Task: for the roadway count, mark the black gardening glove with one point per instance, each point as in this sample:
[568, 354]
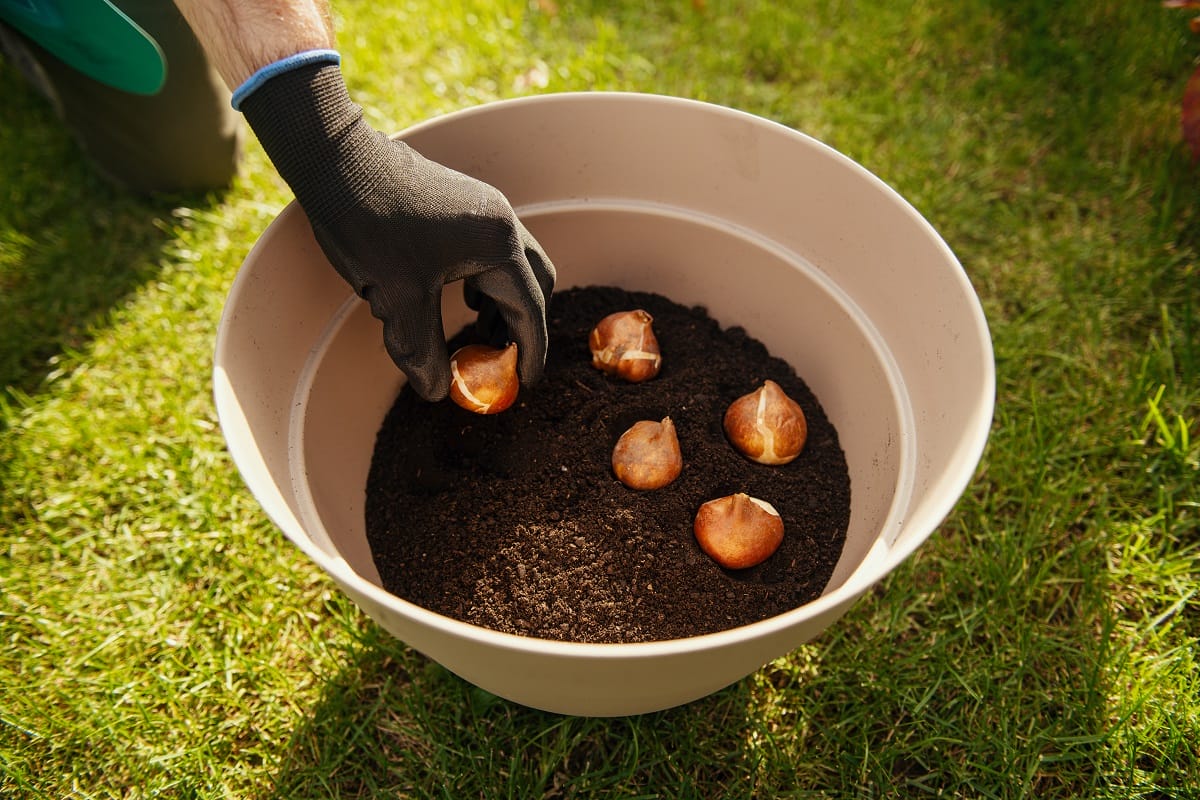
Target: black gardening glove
[398, 227]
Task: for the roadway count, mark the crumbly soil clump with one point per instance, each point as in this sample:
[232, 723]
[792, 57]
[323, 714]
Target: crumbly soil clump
[516, 522]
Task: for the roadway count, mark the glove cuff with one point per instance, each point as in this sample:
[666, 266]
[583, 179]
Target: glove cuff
[315, 136]
[264, 74]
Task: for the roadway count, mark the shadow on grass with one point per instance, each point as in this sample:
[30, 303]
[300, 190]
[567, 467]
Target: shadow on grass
[393, 723]
[72, 246]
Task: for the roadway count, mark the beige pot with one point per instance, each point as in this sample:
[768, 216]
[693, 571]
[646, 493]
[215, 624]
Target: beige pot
[764, 226]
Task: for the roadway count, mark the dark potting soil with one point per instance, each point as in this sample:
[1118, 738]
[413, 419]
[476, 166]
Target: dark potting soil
[515, 521]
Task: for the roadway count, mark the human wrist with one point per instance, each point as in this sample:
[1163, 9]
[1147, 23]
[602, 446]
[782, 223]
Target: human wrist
[241, 36]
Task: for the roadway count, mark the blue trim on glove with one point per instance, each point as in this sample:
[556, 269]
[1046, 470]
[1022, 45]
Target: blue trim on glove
[279, 67]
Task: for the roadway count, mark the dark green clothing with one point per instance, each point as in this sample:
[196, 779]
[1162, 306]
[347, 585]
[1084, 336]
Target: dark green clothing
[184, 137]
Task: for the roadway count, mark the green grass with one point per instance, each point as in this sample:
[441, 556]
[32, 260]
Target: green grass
[158, 637]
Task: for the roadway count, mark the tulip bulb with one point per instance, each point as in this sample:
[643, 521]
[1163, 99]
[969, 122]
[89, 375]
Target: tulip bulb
[647, 455]
[738, 531]
[484, 379]
[624, 344]
[766, 425]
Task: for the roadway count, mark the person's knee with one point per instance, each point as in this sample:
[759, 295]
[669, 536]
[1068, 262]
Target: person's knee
[185, 137]
[175, 164]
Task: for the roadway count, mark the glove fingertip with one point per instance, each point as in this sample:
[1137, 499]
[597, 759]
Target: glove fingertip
[429, 376]
[531, 365]
[429, 386]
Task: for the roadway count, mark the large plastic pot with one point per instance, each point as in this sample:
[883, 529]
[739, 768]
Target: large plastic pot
[766, 227]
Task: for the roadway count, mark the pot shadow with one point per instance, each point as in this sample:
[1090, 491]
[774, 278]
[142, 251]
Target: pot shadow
[393, 723]
[72, 244]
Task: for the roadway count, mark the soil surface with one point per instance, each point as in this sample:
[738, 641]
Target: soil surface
[515, 521]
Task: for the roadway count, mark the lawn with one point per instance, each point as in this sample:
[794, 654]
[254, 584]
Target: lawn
[159, 637]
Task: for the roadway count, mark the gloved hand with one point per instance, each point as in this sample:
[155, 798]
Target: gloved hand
[398, 226]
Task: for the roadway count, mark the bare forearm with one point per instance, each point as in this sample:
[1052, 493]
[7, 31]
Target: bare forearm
[241, 36]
